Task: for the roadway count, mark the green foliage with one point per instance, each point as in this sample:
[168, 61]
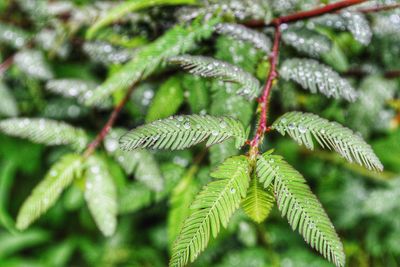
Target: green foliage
[8, 104]
[213, 206]
[167, 100]
[101, 195]
[176, 41]
[306, 41]
[181, 197]
[184, 131]
[303, 210]
[44, 131]
[209, 67]
[79, 73]
[46, 193]
[303, 126]
[316, 77]
[258, 202]
[239, 32]
[125, 8]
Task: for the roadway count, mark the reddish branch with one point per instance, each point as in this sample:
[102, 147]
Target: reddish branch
[306, 14]
[109, 124]
[6, 64]
[263, 105]
[264, 99]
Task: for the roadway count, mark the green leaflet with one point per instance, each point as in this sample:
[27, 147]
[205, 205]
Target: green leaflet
[167, 100]
[182, 195]
[13, 36]
[134, 197]
[213, 206]
[140, 162]
[303, 126]
[8, 104]
[317, 77]
[197, 90]
[210, 67]
[127, 7]
[46, 193]
[101, 194]
[302, 209]
[33, 64]
[258, 202]
[174, 42]
[45, 131]
[183, 131]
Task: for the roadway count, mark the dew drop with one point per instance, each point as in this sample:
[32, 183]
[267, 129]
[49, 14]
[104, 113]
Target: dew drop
[214, 132]
[302, 129]
[233, 190]
[291, 126]
[186, 125]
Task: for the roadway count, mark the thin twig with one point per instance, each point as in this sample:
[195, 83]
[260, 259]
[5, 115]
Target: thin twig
[264, 99]
[109, 124]
[6, 64]
[306, 14]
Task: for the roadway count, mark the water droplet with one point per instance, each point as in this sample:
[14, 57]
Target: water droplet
[291, 126]
[233, 190]
[302, 129]
[223, 124]
[214, 132]
[186, 125]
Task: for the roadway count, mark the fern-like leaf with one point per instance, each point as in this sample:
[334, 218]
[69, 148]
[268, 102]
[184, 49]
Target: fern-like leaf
[44, 131]
[46, 193]
[101, 195]
[182, 196]
[306, 41]
[353, 21]
[210, 67]
[302, 209]
[8, 104]
[140, 162]
[182, 132]
[258, 202]
[242, 33]
[303, 126]
[176, 41]
[316, 77]
[126, 7]
[213, 206]
[33, 64]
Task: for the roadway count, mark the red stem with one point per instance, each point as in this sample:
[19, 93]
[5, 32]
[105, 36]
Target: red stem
[6, 64]
[109, 124]
[263, 105]
[306, 14]
[264, 99]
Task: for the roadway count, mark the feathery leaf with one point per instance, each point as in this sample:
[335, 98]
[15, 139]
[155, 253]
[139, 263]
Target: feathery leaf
[306, 41]
[258, 202]
[101, 195]
[210, 67]
[46, 193]
[33, 64]
[317, 77]
[303, 126]
[181, 132]
[182, 196]
[302, 209]
[8, 104]
[174, 42]
[242, 33]
[45, 131]
[213, 206]
[140, 162]
[126, 7]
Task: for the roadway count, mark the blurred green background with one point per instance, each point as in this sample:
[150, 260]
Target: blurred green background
[364, 206]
